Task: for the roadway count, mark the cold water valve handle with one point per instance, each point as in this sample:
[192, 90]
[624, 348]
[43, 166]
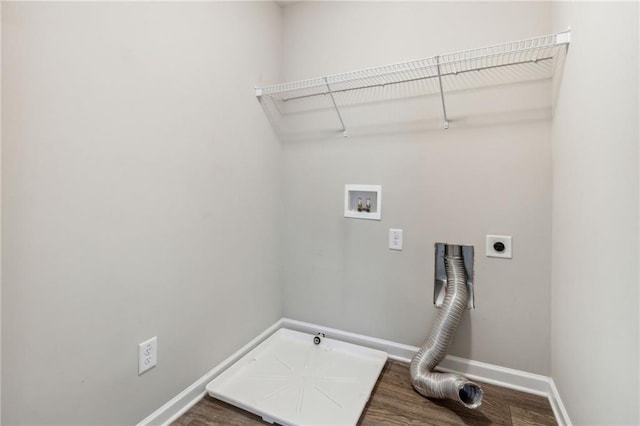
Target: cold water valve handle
[318, 338]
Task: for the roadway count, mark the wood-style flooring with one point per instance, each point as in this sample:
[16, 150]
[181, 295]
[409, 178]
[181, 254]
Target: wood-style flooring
[394, 402]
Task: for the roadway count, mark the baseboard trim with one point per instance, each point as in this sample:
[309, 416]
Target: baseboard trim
[396, 351]
[186, 399]
[505, 377]
[562, 417]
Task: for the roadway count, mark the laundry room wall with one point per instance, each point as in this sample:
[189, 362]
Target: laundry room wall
[139, 191]
[489, 173]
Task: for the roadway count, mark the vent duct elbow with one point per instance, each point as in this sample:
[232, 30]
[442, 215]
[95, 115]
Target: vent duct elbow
[423, 378]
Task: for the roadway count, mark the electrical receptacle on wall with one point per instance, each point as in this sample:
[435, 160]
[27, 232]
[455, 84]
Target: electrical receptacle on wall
[147, 355]
[499, 246]
[395, 239]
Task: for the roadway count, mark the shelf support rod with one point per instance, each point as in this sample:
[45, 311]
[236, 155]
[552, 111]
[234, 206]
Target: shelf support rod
[335, 105]
[444, 108]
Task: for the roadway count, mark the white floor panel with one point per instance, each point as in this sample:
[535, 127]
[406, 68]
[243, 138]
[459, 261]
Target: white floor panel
[289, 380]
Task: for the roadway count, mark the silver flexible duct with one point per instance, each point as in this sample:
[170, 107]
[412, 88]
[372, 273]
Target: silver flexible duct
[446, 385]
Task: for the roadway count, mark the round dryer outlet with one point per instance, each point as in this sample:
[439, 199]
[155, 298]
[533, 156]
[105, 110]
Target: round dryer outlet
[499, 246]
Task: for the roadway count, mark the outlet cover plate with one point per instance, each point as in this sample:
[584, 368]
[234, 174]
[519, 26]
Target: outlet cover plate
[395, 239]
[507, 253]
[147, 355]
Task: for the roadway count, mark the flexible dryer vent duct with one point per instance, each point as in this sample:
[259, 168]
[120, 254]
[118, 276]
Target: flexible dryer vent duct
[423, 378]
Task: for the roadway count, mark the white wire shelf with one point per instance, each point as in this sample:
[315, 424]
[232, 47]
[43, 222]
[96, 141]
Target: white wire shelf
[533, 58]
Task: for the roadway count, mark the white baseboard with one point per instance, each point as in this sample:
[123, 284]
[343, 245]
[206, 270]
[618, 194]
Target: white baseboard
[505, 377]
[396, 351]
[186, 399]
[562, 417]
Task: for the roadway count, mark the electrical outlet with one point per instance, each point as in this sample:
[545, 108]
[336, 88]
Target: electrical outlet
[499, 246]
[147, 355]
[395, 239]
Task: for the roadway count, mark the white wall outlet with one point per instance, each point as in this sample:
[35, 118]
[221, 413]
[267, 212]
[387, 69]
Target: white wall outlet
[395, 239]
[499, 246]
[147, 355]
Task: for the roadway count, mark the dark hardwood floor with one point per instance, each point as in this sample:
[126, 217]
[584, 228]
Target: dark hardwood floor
[394, 402]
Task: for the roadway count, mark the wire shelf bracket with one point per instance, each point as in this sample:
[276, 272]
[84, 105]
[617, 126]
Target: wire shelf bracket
[335, 105]
[537, 56]
[445, 125]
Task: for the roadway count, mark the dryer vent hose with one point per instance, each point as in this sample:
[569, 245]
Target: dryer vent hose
[423, 378]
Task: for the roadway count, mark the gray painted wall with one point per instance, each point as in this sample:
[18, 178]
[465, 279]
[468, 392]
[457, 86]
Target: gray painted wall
[0, 220]
[594, 322]
[490, 173]
[143, 191]
[139, 192]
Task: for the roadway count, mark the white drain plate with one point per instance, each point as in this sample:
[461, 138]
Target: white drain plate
[289, 380]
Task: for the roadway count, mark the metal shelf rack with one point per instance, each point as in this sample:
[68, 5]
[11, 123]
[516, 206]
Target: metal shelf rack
[533, 58]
